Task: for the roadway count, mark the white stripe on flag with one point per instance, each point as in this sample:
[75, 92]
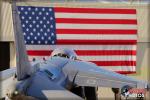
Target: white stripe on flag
[82, 47]
[120, 68]
[95, 16]
[96, 37]
[108, 58]
[37, 57]
[94, 26]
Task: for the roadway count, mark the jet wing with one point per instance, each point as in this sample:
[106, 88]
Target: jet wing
[7, 82]
[60, 95]
[88, 74]
[7, 74]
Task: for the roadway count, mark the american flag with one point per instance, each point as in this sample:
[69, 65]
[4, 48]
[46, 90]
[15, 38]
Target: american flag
[104, 36]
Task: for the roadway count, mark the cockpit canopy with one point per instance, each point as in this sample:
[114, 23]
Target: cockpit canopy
[66, 53]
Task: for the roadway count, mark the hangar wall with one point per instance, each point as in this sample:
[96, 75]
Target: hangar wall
[142, 16]
[143, 46]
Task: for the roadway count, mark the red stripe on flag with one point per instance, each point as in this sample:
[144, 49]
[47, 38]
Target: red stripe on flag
[39, 52]
[95, 21]
[105, 52]
[84, 52]
[126, 72]
[115, 63]
[94, 31]
[95, 10]
[101, 42]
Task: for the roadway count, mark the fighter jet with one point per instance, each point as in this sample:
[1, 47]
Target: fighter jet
[58, 76]
[55, 78]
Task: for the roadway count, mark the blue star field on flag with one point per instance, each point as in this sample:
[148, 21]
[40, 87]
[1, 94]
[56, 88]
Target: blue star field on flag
[38, 25]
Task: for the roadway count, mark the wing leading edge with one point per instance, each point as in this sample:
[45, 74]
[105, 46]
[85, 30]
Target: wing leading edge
[88, 74]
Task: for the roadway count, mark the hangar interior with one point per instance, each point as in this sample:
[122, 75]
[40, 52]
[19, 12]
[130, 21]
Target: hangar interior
[7, 46]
